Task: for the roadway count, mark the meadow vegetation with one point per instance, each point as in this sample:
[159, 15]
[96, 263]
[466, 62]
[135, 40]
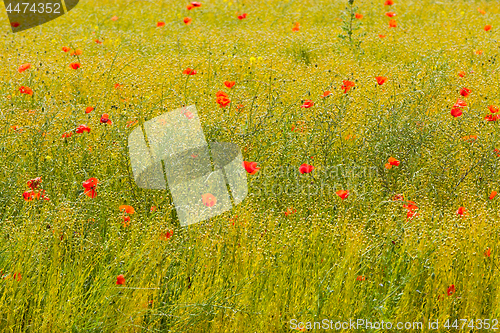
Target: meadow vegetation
[414, 238]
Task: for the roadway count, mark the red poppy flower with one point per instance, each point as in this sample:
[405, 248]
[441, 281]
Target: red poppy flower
[479, 52]
[307, 104]
[74, 65]
[342, 194]
[242, 16]
[306, 168]
[381, 36]
[105, 119]
[358, 16]
[393, 161]
[487, 27]
[83, 128]
[67, 134]
[229, 84]
[89, 109]
[221, 94]
[196, 4]
[251, 167]
[411, 210]
[492, 117]
[460, 104]
[487, 253]
[187, 20]
[76, 53]
[393, 24]
[290, 211]
[118, 86]
[166, 235]
[360, 278]
[381, 80]
[296, 26]
[127, 209]
[209, 199]
[461, 74]
[470, 138]
[189, 7]
[465, 92]
[26, 90]
[456, 112]
[493, 194]
[497, 151]
[326, 94]
[15, 24]
[410, 205]
[189, 71]
[390, 14]
[493, 108]
[120, 279]
[160, 24]
[461, 211]
[451, 290]
[188, 115]
[90, 187]
[24, 67]
[222, 99]
[481, 11]
[65, 49]
[34, 183]
[389, 3]
[410, 214]
[98, 41]
[28, 195]
[346, 86]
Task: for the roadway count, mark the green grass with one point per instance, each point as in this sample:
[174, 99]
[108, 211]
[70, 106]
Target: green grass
[253, 269]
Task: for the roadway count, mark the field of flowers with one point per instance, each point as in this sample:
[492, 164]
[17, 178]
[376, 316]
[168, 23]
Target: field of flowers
[372, 146]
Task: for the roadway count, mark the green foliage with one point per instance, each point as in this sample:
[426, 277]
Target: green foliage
[293, 249]
[350, 24]
[301, 51]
